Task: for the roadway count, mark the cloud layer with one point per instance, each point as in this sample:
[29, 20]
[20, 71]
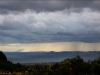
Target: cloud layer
[49, 21]
[47, 5]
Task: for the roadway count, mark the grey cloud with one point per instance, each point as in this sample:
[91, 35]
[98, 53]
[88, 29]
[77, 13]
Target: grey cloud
[29, 27]
[53, 5]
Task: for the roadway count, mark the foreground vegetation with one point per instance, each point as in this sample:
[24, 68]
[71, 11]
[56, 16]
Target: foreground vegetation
[69, 66]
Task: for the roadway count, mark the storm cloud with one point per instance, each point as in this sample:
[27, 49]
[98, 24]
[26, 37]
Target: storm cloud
[50, 27]
[16, 6]
[30, 21]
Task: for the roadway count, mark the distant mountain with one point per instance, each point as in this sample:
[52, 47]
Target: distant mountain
[20, 50]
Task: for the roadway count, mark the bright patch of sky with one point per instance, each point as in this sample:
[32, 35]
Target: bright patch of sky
[56, 46]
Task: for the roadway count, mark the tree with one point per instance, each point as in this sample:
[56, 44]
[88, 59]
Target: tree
[2, 56]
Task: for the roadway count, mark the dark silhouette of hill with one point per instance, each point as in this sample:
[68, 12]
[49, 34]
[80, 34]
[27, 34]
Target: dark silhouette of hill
[2, 56]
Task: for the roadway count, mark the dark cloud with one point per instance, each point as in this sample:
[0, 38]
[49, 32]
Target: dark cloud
[49, 21]
[45, 5]
[22, 37]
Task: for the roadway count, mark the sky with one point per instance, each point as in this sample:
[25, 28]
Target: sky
[49, 25]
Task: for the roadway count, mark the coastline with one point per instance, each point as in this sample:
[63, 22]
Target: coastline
[40, 63]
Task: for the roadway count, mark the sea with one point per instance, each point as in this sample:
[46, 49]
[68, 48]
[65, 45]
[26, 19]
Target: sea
[36, 57]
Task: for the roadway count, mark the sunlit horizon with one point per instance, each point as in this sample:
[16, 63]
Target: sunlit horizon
[48, 47]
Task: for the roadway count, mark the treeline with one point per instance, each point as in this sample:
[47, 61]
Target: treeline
[72, 66]
[69, 66]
